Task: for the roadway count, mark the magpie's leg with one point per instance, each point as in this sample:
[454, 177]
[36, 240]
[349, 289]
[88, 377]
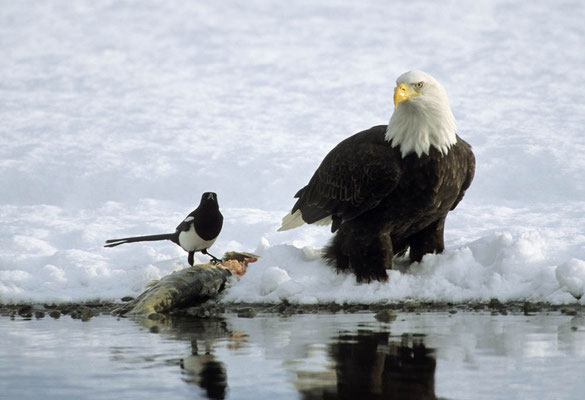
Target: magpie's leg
[191, 258]
[214, 259]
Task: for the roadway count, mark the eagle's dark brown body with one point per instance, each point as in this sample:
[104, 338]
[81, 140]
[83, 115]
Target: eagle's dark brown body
[381, 203]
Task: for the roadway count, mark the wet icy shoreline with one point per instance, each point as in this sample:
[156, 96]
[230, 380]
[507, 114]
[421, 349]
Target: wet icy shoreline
[87, 310]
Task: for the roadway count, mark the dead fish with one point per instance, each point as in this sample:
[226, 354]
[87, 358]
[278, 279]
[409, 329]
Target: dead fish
[188, 287]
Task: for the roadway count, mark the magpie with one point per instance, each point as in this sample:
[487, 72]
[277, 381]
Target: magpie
[197, 232]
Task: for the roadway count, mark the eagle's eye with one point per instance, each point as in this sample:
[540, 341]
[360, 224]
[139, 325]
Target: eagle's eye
[419, 85]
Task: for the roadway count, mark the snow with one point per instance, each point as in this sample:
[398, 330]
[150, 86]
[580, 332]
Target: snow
[116, 116]
[571, 275]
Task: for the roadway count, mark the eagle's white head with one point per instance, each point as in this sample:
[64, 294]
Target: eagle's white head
[422, 117]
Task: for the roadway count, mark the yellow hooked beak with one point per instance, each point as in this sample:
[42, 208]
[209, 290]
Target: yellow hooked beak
[403, 92]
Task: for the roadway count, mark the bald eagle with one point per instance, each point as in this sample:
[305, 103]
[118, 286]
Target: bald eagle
[388, 189]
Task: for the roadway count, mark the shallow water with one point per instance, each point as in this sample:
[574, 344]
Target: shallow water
[306, 356]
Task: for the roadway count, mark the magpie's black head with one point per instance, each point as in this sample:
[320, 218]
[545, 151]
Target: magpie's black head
[209, 196]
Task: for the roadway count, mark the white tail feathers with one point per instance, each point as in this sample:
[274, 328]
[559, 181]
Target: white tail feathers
[291, 221]
[294, 220]
[324, 221]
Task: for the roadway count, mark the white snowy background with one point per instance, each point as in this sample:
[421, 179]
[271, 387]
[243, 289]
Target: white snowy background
[116, 115]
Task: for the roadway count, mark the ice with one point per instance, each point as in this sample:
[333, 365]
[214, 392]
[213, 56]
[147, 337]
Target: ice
[115, 118]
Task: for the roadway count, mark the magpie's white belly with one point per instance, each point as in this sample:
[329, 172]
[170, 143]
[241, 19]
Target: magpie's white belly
[191, 241]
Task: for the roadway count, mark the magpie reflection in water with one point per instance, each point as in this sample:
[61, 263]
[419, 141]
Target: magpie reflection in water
[206, 371]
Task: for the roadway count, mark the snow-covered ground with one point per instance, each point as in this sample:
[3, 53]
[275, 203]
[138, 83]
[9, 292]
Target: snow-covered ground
[116, 116]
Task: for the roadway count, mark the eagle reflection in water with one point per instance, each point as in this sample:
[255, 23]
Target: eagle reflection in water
[372, 365]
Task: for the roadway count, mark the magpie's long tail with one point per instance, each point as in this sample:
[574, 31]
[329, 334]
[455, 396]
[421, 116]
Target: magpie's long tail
[148, 238]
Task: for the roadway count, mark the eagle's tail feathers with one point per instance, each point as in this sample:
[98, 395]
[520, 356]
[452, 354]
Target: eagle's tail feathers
[295, 219]
[291, 221]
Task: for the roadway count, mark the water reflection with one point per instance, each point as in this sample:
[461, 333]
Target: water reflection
[310, 356]
[373, 365]
[570, 342]
[202, 367]
[206, 371]
[365, 363]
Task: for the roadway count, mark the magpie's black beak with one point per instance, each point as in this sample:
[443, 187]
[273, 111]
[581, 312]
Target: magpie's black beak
[209, 196]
